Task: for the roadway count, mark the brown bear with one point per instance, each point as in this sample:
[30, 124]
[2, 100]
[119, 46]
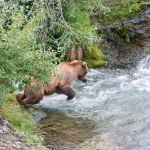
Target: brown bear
[67, 72]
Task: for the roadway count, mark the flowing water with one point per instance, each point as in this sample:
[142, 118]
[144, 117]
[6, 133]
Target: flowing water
[112, 102]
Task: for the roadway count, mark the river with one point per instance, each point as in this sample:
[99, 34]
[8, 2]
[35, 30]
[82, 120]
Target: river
[114, 103]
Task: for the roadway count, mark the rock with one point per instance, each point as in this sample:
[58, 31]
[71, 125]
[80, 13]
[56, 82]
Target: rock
[126, 54]
[52, 147]
[38, 115]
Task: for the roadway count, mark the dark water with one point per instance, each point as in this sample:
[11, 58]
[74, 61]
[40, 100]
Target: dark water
[112, 102]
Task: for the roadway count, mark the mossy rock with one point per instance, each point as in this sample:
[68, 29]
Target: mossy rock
[96, 63]
[95, 58]
[96, 54]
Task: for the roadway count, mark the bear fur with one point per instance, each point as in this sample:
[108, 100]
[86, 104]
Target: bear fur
[61, 83]
[33, 93]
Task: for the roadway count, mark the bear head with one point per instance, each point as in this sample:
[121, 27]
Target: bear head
[81, 69]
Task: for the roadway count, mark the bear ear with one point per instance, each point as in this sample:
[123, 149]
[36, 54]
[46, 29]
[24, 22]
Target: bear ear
[74, 62]
[84, 63]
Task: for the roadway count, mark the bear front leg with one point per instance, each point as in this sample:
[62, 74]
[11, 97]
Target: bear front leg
[67, 90]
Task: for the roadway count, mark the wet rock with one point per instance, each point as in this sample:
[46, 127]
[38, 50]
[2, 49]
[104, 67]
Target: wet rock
[126, 54]
[52, 147]
[38, 115]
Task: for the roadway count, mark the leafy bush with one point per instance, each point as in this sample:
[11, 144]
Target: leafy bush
[20, 55]
[68, 26]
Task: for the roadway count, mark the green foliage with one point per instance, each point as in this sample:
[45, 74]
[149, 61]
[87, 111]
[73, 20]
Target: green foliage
[20, 55]
[77, 15]
[120, 11]
[95, 58]
[22, 121]
[67, 25]
[96, 53]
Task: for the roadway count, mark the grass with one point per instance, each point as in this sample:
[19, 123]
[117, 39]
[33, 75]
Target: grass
[22, 121]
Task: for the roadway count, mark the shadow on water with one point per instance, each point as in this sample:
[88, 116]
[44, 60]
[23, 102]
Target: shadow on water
[65, 132]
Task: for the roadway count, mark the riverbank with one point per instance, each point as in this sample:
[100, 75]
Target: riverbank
[10, 139]
[18, 127]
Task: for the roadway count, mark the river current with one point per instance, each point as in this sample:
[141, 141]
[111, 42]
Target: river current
[113, 102]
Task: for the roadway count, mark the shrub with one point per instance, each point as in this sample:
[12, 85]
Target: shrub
[20, 55]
